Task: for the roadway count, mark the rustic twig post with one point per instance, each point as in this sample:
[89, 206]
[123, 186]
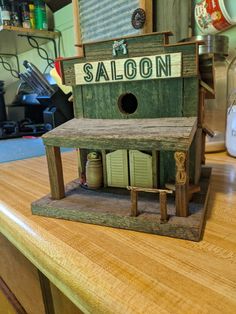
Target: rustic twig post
[163, 206]
[134, 203]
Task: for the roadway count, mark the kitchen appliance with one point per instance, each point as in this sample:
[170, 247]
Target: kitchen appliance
[214, 54]
[39, 105]
[213, 51]
[45, 94]
[3, 114]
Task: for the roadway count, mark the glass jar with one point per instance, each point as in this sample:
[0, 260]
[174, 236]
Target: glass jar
[231, 111]
[5, 18]
[231, 88]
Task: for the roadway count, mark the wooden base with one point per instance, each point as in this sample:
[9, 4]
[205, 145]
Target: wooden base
[111, 207]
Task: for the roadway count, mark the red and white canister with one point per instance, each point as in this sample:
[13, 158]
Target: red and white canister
[213, 16]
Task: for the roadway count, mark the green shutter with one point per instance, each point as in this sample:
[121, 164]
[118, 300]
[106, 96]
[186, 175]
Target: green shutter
[117, 168]
[141, 174]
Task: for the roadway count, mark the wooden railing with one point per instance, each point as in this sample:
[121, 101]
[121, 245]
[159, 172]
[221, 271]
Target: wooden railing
[162, 199]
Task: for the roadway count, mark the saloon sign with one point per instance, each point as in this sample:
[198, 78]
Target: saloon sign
[130, 69]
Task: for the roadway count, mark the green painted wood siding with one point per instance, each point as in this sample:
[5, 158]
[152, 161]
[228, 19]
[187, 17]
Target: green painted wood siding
[173, 97]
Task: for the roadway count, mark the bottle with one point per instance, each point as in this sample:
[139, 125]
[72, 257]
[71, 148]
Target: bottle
[5, 18]
[25, 14]
[40, 15]
[32, 14]
[14, 13]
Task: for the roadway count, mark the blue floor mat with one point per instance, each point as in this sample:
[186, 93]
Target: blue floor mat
[22, 148]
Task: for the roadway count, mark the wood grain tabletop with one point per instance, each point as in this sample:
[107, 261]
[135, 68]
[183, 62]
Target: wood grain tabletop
[106, 270]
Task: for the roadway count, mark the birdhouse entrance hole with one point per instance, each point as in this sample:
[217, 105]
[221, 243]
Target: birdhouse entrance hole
[127, 103]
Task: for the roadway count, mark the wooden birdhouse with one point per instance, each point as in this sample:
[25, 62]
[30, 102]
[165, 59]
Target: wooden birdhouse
[138, 104]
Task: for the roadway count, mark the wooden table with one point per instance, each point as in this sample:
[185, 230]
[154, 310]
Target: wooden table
[106, 270]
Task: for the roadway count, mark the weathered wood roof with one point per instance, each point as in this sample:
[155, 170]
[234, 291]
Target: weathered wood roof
[143, 134]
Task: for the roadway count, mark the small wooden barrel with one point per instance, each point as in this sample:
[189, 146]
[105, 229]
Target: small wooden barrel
[94, 173]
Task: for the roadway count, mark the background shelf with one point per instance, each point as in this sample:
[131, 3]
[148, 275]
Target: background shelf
[13, 43]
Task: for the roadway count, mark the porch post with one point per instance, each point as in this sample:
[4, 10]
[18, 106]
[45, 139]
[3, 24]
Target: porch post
[181, 183]
[55, 172]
